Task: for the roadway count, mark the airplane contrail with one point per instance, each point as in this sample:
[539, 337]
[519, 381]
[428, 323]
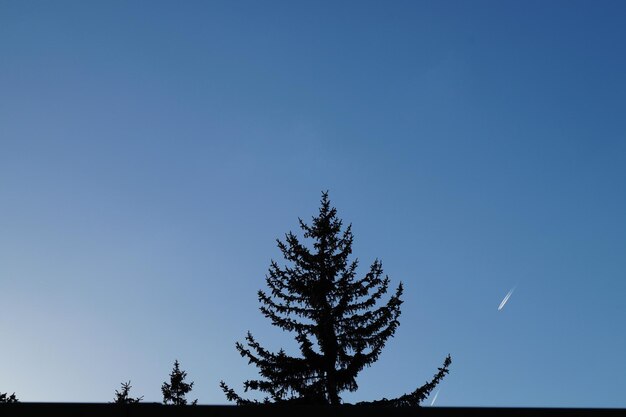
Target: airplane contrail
[435, 398]
[506, 298]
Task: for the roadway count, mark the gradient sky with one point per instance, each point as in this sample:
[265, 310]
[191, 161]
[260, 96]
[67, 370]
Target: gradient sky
[151, 152]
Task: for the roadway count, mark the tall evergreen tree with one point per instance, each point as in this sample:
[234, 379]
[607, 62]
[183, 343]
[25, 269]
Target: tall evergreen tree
[336, 317]
[123, 396]
[174, 392]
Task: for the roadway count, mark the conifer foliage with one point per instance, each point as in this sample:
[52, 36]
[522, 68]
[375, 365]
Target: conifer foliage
[5, 398]
[123, 396]
[174, 392]
[337, 318]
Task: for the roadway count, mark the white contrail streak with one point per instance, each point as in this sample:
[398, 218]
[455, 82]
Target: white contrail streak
[435, 398]
[506, 298]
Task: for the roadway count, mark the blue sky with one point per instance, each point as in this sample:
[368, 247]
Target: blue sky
[152, 152]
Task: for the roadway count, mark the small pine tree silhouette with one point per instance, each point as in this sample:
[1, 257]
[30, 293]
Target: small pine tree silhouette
[334, 315]
[174, 392]
[5, 398]
[123, 397]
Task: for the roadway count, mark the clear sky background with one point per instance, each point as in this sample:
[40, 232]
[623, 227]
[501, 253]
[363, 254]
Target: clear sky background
[151, 152]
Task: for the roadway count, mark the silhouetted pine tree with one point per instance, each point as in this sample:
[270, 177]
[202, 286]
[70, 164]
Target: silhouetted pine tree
[123, 397]
[334, 317]
[174, 392]
[5, 398]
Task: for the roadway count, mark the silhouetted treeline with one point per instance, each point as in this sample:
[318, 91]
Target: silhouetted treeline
[174, 392]
[338, 318]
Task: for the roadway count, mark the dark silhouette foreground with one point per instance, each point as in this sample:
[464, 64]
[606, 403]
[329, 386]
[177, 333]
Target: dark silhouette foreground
[336, 318]
[123, 396]
[5, 398]
[174, 392]
[273, 410]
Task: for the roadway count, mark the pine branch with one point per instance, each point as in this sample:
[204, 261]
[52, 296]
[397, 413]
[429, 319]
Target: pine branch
[415, 398]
